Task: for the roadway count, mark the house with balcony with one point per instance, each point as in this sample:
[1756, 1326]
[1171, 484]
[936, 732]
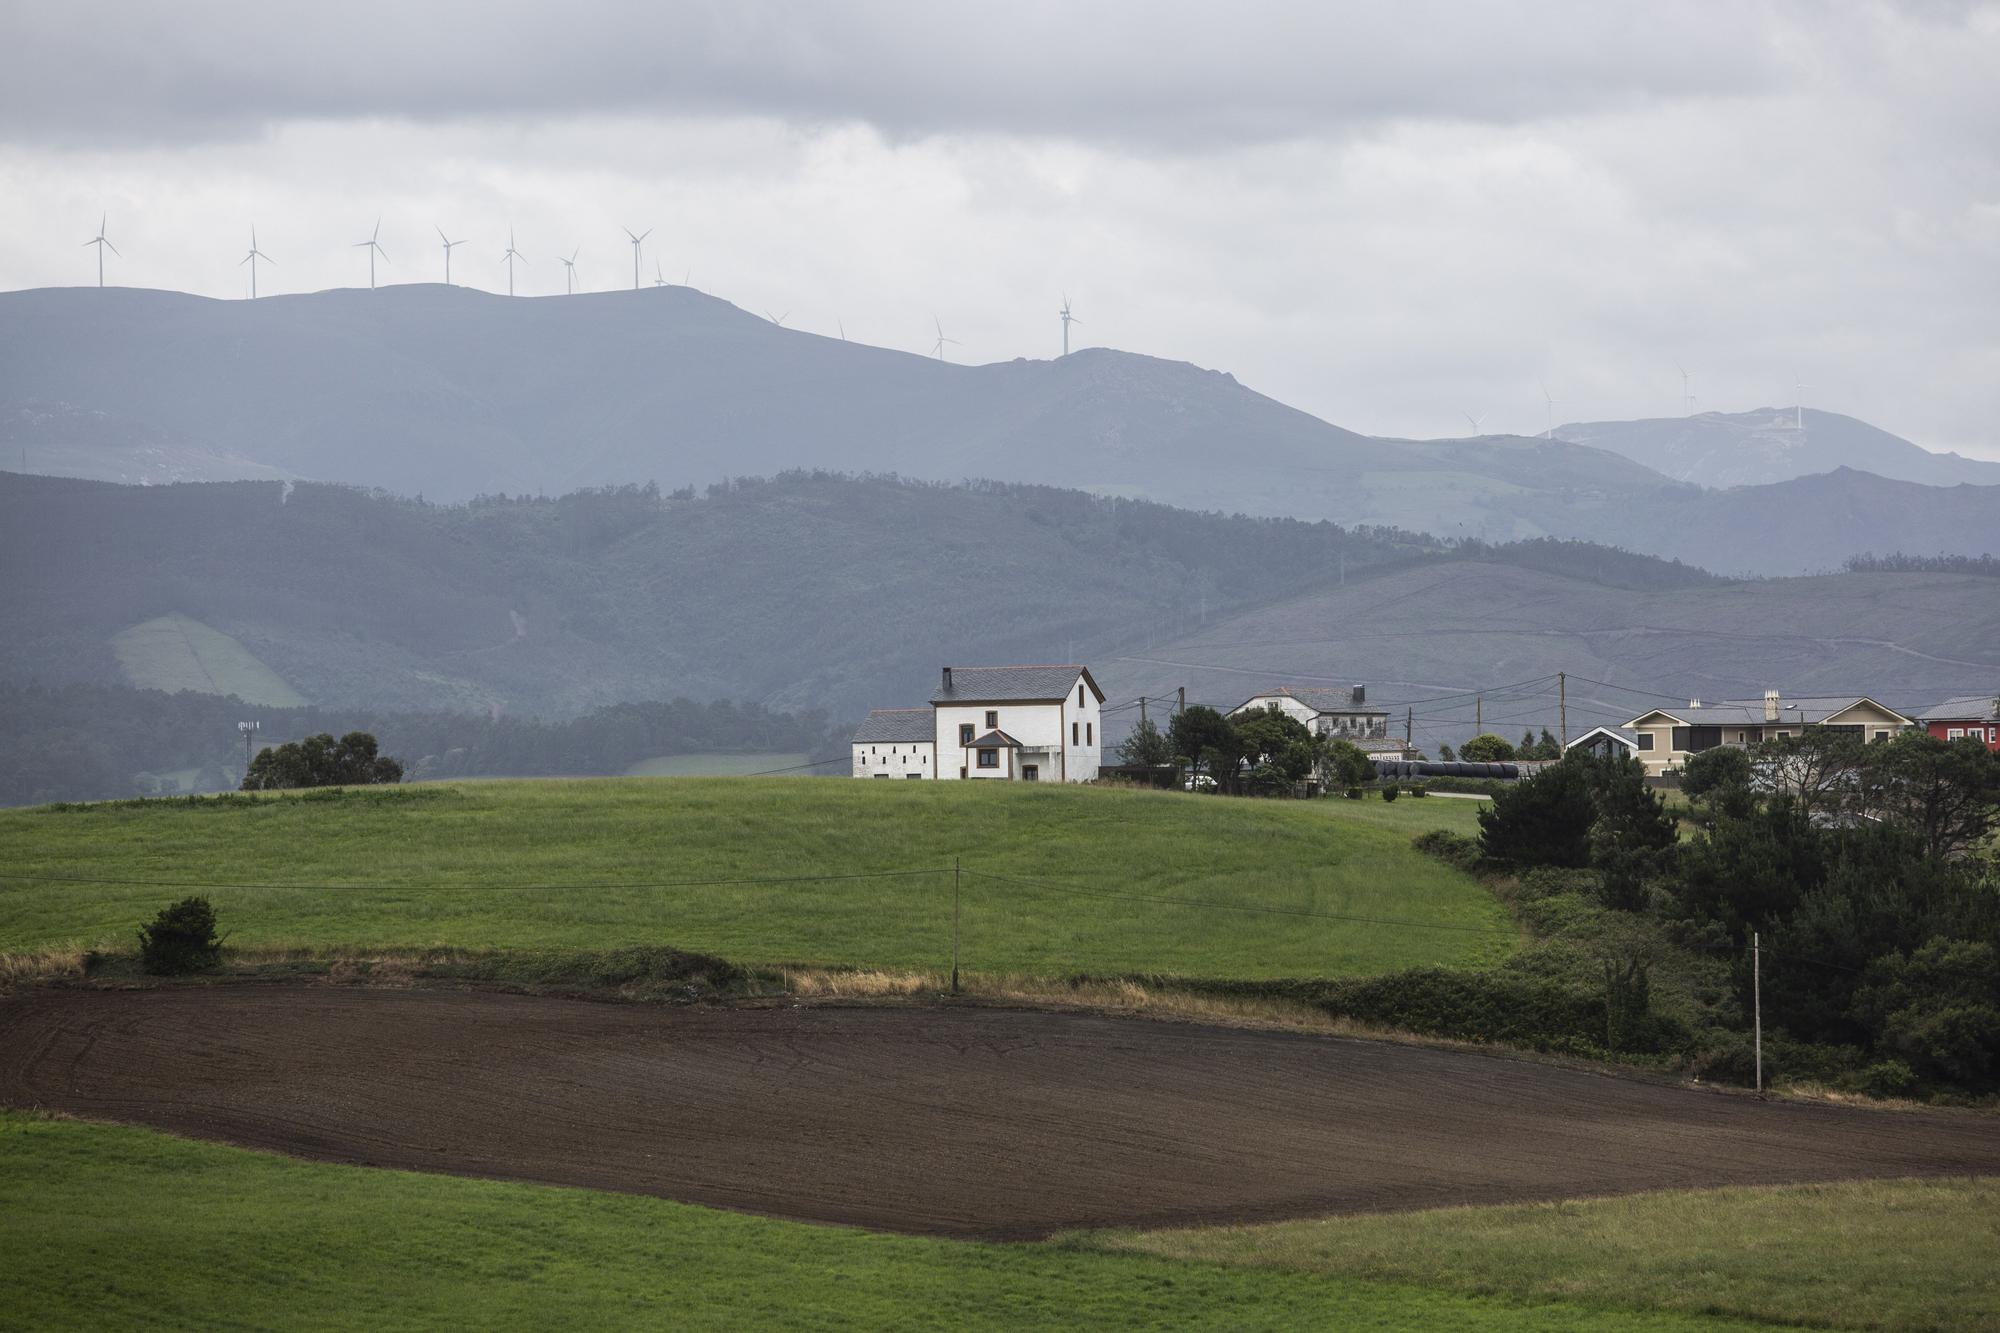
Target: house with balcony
[1666, 737]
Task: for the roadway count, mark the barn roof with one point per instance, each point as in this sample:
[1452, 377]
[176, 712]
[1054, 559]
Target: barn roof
[895, 726]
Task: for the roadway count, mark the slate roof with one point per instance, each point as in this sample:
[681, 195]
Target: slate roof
[1968, 708]
[896, 726]
[1018, 684]
[995, 740]
[1804, 712]
[1321, 699]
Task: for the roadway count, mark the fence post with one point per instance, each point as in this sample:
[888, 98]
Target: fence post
[954, 924]
[1757, 1004]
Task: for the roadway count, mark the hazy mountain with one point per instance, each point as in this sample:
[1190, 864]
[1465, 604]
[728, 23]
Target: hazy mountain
[837, 593]
[450, 393]
[1774, 444]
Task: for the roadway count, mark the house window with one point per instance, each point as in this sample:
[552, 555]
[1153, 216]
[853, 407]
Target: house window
[1031, 773]
[989, 759]
[992, 717]
[1645, 740]
[1953, 733]
[1090, 733]
[965, 733]
[1073, 733]
[1079, 694]
[913, 777]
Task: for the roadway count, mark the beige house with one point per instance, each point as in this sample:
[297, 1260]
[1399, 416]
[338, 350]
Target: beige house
[1665, 737]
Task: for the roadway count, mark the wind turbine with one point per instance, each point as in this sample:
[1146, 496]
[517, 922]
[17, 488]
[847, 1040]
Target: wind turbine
[637, 241]
[100, 241]
[569, 271]
[1687, 398]
[1552, 409]
[659, 278]
[1799, 405]
[1475, 420]
[843, 329]
[1067, 320]
[779, 320]
[373, 247]
[510, 256]
[448, 244]
[938, 346]
[251, 259]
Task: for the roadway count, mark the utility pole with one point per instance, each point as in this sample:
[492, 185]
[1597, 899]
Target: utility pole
[1757, 1004]
[1562, 706]
[954, 925]
[1142, 714]
[1408, 715]
[1478, 711]
[1180, 701]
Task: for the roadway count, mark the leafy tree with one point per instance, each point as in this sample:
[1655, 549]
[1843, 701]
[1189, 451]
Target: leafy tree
[1445, 753]
[1947, 793]
[1548, 747]
[1146, 746]
[1264, 734]
[1206, 739]
[1486, 748]
[1527, 748]
[1348, 765]
[1719, 780]
[1938, 1009]
[1817, 768]
[1632, 836]
[321, 761]
[1544, 820]
[180, 939]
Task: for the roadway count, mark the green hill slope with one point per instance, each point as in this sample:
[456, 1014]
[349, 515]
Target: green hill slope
[1061, 880]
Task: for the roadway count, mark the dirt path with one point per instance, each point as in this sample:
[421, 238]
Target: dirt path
[954, 1120]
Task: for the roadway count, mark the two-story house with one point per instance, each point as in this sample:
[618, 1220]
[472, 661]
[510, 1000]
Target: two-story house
[1006, 723]
[1976, 718]
[1341, 713]
[1666, 737]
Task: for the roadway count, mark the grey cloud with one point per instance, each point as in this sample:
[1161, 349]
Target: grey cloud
[1186, 74]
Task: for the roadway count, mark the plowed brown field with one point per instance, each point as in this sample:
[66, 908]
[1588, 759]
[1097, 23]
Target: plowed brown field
[953, 1120]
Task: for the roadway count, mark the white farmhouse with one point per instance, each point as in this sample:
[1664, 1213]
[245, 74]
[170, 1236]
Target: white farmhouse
[1018, 723]
[1342, 714]
[895, 743]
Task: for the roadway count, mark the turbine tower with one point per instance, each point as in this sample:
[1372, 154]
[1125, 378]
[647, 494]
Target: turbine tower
[1475, 420]
[637, 241]
[448, 244]
[938, 346]
[251, 259]
[1799, 406]
[659, 278]
[100, 241]
[1687, 397]
[1551, 402]
[779, 320]
[510, 256]
[373, 247]
[1067, 320]
[569, 271]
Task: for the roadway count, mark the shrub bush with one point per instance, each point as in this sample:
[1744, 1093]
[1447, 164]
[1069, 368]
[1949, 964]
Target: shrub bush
[1889, 1078]
[181, 939]
[1354, 793]
[1390, 792]
[1419, 789]
[1454, 849]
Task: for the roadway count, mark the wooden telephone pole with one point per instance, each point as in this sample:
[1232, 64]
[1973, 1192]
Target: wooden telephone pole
[1562, 706]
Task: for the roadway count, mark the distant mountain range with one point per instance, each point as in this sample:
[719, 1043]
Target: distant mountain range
[839, 593]
[450, 393]
[1774, 444]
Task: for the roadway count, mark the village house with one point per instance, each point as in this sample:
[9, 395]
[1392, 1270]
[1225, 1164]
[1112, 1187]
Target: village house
[1605, 742]
[895, 743]
[1006, 723]
[1340, 714]
[1976, 717]
[1666, 737]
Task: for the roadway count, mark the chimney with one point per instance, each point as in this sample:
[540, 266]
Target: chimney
[1770, 705]
[1360, 695]
[947, 680]
[1694, 703]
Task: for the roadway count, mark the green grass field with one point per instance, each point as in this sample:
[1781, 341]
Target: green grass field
[714, 765]
[1092, 876]
[1887, 1254]
[175, 652]
[108, 1226]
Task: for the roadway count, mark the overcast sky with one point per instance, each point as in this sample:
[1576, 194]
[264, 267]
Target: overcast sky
[1391, 217]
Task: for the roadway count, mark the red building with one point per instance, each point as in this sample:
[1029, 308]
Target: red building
[1977, 717]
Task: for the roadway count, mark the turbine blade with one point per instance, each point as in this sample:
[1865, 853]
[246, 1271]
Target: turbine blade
[114, 250]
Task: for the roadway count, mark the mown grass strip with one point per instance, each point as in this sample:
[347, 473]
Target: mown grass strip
[109, 1226]
[1881, 1254]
